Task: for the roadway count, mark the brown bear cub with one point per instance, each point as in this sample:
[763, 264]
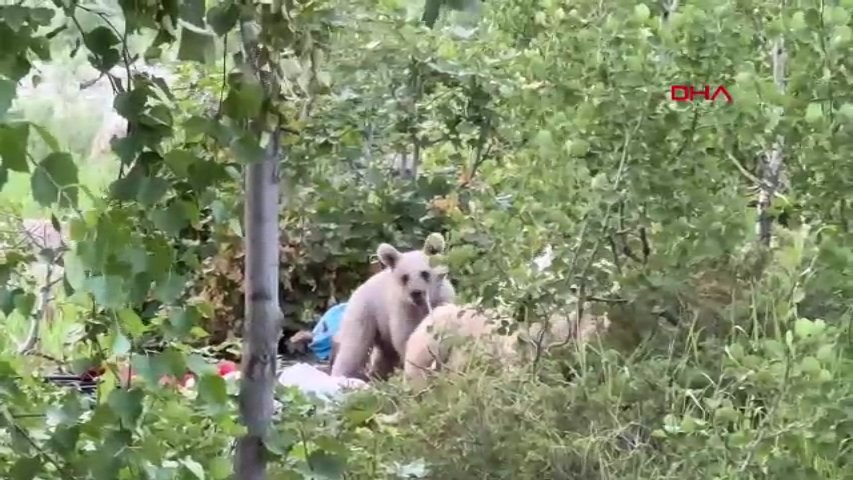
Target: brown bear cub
[383, 311]
[451, 336]
[433, 346]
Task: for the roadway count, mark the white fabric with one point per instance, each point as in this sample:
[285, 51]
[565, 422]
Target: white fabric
[309, 379]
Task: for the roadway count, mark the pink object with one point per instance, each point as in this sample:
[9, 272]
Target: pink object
[226, 366]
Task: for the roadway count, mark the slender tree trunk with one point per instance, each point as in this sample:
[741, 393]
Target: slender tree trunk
[772, 163]
[263, 317]
[262, 326]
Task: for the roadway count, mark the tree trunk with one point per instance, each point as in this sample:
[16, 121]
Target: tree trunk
[263, 315]
[772, 163]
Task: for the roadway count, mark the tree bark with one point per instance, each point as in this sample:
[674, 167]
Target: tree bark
[262, 326]
[772, 163]
[263, 316]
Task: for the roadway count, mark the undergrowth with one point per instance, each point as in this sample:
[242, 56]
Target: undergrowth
[770, 398]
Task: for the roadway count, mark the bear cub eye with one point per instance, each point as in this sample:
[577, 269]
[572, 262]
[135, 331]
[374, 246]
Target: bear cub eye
[405, 278]
[425, 275]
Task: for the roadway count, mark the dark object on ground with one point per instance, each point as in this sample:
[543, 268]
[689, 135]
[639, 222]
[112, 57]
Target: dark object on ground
[85, 385]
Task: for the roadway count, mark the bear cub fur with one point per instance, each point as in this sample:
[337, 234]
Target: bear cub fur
[434, 345]
[385, 309]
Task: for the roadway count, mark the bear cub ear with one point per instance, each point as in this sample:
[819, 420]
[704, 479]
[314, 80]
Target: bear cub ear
[434, 244]
[388, 255]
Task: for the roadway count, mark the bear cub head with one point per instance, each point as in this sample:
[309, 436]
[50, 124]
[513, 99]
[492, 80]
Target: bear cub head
[412, 271]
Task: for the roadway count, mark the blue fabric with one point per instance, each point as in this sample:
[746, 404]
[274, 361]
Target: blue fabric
[321, 344]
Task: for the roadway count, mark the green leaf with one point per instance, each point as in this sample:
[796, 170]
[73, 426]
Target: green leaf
[8, 90]
[127, 188]
[212, 390]
[199, 366]
[222, 17]
[842, 35]
[577, 147]
[545, 141]
[65, 438]
[172, 219]
[24, 303]
[196, 47]
[131, 104]
[170, 288]
[247, 150]
[327, 465]
[194, 467]
[431, 10]
[4, 177]
[107, 290]
[219, 468]
[121, 344]
[798, 21]
[810, 365]
[835, 15]
[150, 368]
[102, 43]
[46, 136]
[179, 161]
[826, 353]
[814, 112]
[131, 322]
[137, 257]
[813, 18]
[641, 11]
[26, 468]
[41, 16]
[67, 413]
[127, 404]
[182, 320]
[13, 146]
[846, 111]
[55, 175]
[805, 328]
[151, 190]
[244, 100]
